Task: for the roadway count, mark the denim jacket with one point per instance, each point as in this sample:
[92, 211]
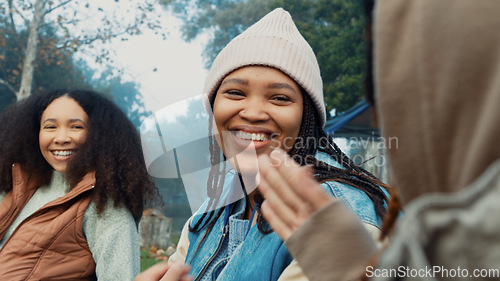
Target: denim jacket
[261, 257]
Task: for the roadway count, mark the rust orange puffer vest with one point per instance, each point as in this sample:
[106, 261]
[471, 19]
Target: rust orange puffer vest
[48, 245]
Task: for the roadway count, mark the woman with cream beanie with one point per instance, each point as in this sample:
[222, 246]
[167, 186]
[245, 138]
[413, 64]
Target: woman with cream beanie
[265, 92]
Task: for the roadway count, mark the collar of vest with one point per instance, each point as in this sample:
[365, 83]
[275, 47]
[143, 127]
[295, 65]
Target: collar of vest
[23, 184]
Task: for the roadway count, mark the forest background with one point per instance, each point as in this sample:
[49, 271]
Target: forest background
[47, 44]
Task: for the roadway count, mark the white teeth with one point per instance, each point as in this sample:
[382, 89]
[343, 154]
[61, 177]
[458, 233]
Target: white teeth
[251, 136]
[62, 152]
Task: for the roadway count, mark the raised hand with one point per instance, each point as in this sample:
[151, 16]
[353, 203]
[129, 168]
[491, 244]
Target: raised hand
[165, 272]
[291, 193]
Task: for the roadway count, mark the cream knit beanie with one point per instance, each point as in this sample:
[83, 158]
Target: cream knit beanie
[273, 41]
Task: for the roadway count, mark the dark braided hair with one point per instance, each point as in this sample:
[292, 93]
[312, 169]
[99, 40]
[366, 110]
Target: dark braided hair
[353, 174]
[303, 153]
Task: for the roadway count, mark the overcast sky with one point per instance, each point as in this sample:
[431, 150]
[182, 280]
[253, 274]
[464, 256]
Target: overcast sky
[168, 70]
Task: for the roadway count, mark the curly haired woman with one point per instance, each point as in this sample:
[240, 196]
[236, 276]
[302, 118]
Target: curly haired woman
[73, 185]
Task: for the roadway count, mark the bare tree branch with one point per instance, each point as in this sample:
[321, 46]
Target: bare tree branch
[11, 16]
[57, 7]
[8, 85]
[90, 40]
[11, 10]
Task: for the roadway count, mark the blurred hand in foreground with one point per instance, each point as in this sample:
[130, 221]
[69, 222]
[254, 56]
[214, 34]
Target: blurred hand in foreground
[291, 193]
[164, 272]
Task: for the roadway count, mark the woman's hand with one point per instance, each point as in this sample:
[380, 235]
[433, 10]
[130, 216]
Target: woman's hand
[164, 272]
[291, 193]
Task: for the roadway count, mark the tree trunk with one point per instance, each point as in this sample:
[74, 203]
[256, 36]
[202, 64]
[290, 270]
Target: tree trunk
[30, 55]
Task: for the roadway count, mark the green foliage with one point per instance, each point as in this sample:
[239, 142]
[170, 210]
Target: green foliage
[176, 204]
[125, 94]
[56, 68]
[147, 260]
[65, 27]
[222, 19]
[333, 28]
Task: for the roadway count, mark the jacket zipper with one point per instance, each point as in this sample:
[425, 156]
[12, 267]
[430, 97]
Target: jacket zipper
[229, 209]
[226, 229]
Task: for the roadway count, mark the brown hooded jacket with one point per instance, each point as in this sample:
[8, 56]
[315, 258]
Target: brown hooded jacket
[437, 82]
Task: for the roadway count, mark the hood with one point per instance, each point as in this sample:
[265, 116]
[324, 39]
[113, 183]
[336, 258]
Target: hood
[437, 85]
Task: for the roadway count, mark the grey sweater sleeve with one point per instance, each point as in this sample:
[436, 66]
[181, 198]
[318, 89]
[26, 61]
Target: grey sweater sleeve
[332, 244]
[114, 242]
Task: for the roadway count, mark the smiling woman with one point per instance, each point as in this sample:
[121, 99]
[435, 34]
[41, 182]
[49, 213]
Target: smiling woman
[63, 129]
[72, 182]
[259, 106]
